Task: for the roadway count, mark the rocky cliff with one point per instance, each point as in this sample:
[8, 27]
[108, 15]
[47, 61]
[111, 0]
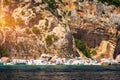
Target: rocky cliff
[29, 28]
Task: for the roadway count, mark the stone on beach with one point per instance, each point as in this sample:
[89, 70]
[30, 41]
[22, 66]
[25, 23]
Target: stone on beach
[5, 59]
[118, 58]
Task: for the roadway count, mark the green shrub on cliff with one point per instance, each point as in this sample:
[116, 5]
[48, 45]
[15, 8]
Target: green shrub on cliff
[52, 7]
[81, 0]
[35, 30]
[111, 2]
[93, 52]
[82, 47]
[27, 30]
[50, 39]
[3, 52]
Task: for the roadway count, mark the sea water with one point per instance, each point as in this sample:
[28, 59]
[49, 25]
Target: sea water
[59, 72]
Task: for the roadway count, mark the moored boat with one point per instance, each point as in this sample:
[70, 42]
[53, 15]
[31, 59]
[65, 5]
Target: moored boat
[1, 63]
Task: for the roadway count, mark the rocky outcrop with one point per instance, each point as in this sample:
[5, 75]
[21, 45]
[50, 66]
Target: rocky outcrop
[96, 27]
[105, 50]
[118, 58]
[117, 47]
[36, 31]
[5, 59]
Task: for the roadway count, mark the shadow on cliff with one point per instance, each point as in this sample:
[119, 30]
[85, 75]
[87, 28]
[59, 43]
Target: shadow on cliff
[91, 38]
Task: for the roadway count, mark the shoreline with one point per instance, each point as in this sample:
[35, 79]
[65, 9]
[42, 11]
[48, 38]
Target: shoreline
[55, 60]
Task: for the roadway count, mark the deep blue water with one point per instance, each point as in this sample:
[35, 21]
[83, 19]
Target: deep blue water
[60, 72]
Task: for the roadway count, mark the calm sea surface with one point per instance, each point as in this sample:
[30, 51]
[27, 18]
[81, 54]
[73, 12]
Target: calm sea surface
[59, 72]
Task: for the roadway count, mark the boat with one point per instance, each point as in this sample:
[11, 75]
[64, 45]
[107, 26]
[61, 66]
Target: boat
[69, 62]
[1, 63]
[10, 63]
[29, 62]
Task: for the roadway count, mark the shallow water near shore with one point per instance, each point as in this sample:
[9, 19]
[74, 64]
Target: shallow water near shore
[60, 72]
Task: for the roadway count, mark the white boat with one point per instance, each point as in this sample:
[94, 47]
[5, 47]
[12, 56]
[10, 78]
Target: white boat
[106, 61]
[0, 61]
[59, 61]
[114, 62]
[29, 62]
[69, 62]
[76, 62]
[88, 61]
[96, 64]
[50, 63]
[81, 62]
[10, 63]
[39, 62]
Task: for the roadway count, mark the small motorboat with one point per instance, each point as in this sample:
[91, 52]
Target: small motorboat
[1, 63]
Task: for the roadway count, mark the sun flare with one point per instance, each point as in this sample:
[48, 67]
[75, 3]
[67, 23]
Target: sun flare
[2, 22]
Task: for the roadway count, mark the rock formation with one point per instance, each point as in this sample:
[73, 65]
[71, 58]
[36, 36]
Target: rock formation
[29, 28]
[117, 47]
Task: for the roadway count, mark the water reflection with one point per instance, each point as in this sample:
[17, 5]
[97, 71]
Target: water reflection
[59, 73]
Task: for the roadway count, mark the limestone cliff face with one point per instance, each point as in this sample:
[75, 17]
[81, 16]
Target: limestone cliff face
[95, 24]
[35, 30]
[29, 28]
[117, 48]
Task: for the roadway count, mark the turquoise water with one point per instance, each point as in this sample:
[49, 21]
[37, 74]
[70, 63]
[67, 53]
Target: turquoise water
[59, 72]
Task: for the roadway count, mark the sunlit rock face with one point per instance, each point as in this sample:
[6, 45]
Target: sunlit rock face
[35, 31]
[105, 50]
[29, 28]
